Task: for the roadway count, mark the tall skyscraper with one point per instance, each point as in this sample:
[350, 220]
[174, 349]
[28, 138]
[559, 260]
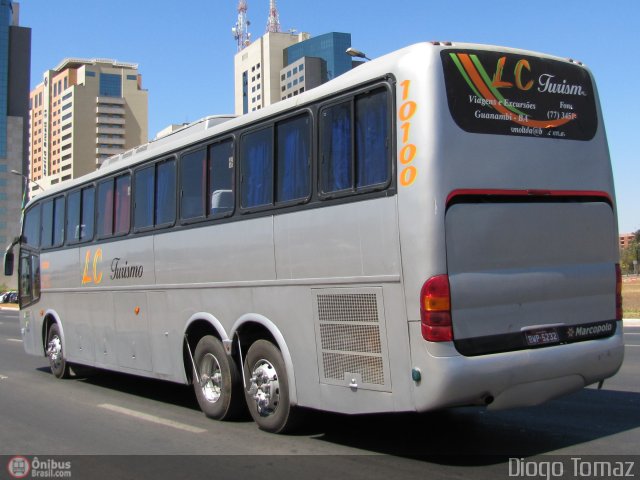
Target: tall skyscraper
[257, 70]
[15, 59]
[83, 112]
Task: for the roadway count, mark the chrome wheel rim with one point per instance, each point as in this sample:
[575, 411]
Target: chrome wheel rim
[210, 378]
[54, 352]
[265, 388]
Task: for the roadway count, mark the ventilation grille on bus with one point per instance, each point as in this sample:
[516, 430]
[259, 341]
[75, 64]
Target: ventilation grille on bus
[350, 328]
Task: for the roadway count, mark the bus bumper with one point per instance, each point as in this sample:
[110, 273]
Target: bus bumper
[512, 379]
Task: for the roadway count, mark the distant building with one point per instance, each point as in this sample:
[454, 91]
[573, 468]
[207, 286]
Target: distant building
[83, 112]
[257, 70]
[282, 65]
[301, 75]
[626, 239]
[15, 60]
[313, 62]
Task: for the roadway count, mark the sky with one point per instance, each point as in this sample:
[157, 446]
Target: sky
[185, 49]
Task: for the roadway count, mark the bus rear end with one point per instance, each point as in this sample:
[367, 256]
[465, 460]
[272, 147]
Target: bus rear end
[523, 302]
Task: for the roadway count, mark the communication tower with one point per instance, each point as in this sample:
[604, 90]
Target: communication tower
[241, 28]
[273, 22]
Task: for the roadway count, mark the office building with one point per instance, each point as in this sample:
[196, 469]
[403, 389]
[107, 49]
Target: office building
[15, 59]
[257, 70]
[626, 239]
[313, 62]
[83, 112]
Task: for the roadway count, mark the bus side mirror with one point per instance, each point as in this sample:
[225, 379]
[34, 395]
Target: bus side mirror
[8, 263]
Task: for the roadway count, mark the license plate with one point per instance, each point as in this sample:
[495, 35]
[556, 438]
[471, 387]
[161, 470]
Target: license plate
[542, 336]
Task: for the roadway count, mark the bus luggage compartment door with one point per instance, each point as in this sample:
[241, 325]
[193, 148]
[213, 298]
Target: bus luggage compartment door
[528, 267]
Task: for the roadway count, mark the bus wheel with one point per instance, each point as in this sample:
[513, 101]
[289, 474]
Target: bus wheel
[57, 362]
[219, 384]
[268, 388]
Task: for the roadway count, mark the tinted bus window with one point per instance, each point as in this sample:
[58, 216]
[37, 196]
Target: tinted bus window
[155, 195]
[105, 208]
[221, 178]
[58, 221]
[73, 217]
[166, 193]
[337, 165]
[293, 159]
[47, 224]
[122, 208]
[114, 206]
[31, 230]
[256, 152]
[53, 222]
[144, 198]
[372, 140]
[88, 207]
[355, 143]
[539, 97]
[193, 177]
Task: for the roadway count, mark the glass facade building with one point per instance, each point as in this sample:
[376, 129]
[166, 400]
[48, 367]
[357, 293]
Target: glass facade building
[330, 47]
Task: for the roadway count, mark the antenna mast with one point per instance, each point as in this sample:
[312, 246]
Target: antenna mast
[273, 23]
[241, 28]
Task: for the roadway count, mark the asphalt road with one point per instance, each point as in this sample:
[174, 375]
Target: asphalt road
[114, 414]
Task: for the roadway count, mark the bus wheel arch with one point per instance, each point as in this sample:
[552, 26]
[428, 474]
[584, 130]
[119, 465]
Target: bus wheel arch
[196, 327]
[213, 372]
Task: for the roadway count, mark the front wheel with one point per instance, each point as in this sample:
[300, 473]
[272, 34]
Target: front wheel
[267, 393]
[57, 362]
[217, 385]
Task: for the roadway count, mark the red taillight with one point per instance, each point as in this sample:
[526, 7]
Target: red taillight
[618, 292]
[435, 310]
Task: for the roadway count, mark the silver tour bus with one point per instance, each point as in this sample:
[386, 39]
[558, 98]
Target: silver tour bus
[434, 228]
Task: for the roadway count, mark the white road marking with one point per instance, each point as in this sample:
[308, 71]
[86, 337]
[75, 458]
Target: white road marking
[151, 418]
[2, 377]
[14, 340]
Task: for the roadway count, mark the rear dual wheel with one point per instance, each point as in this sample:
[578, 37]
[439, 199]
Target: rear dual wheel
[267, 392]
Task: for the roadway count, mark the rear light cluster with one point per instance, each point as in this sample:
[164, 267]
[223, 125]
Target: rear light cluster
[435, 310]
[618, 292]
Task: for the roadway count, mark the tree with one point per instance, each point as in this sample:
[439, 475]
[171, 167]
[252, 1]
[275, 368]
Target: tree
[629, 254]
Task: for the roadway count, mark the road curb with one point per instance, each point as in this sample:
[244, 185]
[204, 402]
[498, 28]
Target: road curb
[631, 322]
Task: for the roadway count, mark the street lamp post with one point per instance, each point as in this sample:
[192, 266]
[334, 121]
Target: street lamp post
[25, 188]
[352, 52]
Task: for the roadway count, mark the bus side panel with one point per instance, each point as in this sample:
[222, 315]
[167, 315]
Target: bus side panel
[78, 327]
[229, 252]
[358, 239]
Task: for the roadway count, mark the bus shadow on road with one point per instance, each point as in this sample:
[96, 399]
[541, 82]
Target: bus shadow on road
[463, 436]
[474, 436]
[152, 389]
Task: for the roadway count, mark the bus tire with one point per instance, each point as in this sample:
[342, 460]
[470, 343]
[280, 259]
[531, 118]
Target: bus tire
[218, 390]
[57, 362]
[267, 392]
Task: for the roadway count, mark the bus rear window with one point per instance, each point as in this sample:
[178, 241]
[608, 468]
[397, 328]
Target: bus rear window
[508, 94]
